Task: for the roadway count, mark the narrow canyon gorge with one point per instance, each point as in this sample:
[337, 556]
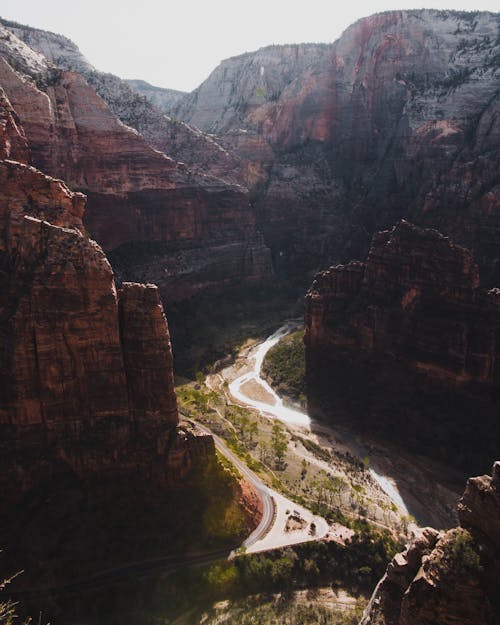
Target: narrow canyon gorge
[354, 185]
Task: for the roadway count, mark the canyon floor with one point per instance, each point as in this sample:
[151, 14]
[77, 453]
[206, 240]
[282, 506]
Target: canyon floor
[389, 487]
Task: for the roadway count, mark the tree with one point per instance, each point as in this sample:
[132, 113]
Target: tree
[279, 443]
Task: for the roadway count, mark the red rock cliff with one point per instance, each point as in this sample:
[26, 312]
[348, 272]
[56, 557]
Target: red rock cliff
[138, 197]
[397, 118]
[410, 321]
[85, 373]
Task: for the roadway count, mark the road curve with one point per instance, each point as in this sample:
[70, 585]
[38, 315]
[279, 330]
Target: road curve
[268, 503]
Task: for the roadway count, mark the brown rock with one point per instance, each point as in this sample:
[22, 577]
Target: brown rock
[138, 197]
[12, 140]
[446, 578]
[147, 353]
[86, 381]
[412, 328]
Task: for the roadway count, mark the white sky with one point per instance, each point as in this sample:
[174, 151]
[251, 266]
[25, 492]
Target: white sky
[177, 43]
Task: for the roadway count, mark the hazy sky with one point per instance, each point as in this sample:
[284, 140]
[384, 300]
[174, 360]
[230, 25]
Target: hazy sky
[178, 43]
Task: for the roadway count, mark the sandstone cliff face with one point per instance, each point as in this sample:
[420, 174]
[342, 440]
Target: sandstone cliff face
[450, 577]
[399, 117]
[138, 105]
[86, 381]
[136, 195]
[413, 328]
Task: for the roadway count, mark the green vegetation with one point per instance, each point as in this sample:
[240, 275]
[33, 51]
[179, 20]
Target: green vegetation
[279, 443]
[462, 556]
[292, 608]
[284, 367]
[192, 592]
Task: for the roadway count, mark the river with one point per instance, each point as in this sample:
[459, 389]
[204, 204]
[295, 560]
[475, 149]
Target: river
[291, 416]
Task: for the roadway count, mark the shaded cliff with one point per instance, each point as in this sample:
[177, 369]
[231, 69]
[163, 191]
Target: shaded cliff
[446, 578]
[91, 445]
[398, 118]
[406, 344]
[138, 198]
[86, 371]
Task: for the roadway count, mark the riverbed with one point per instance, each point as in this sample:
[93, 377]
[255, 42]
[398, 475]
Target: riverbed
[414, 485]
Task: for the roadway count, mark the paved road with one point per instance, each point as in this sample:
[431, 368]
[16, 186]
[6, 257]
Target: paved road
[134, 570]
[271, 532]
[268, 501]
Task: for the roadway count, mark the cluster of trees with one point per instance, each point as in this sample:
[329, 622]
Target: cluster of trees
[284, 366]
[357, 567]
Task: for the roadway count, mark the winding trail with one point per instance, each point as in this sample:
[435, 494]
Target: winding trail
[278, 410]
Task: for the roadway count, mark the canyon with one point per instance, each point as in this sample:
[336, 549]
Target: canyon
[120, 200]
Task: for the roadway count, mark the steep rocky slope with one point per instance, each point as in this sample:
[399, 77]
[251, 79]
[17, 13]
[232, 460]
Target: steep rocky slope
[414, 330]
[138, 198]
[86, 371]
[163, 99]
[446, 578]
[399, 117]
[136, 104]
[95, 469]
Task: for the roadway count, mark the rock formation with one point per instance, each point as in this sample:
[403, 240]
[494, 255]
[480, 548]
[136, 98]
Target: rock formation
[414, 330]
[163, 99]
[138, 198]
[450, 577]
[85, 372]
[398, 118]
[138, 105]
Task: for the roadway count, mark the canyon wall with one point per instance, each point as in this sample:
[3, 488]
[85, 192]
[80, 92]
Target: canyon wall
[95, 469]
[448, 577]
[398, 118]
[407, 344]
[139, 199]
[86, 382]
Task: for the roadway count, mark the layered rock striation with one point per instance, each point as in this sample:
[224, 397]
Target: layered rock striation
[447, 577]
[86, 384]
[139, 199]
[398, 118]
[407, 343]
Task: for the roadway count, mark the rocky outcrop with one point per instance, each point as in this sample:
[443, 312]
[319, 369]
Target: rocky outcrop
[397, 118]
[137, 196]
[86, 382]
[95, 469]
[414, 329]
[240, 91]
[450, 577]
[163, 99]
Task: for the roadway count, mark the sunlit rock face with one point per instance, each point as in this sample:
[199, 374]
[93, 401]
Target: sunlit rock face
[397, 118]
[406, 342]
[139, 199]
[447, 577]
